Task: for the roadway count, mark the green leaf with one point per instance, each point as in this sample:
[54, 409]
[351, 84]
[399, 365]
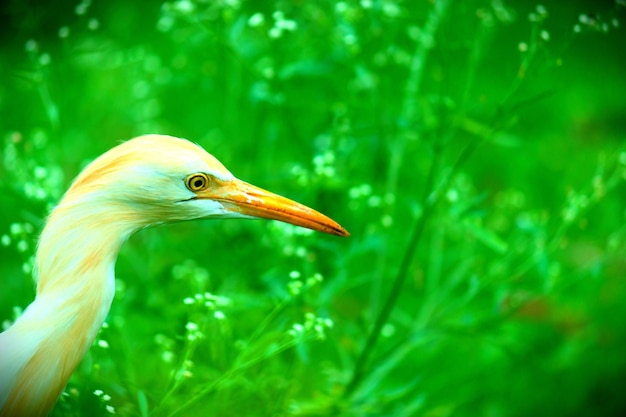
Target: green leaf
[142, 402]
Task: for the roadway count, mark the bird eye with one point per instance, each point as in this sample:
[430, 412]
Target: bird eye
[197, 182]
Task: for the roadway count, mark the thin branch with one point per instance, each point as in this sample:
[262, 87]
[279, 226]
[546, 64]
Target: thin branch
[409, 114]
[398, 284]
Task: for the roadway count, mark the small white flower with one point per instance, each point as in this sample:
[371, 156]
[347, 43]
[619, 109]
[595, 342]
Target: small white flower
[167, 356]
[341, 7]
[256, 20]
[31, 45]
[93, 24]
[541, 9]
[22, 246]
[15, 228]
[81, 8]
[64, 32]
[184, 6]
[295, 287]
[44, 59]
[290, 25]
[275, 32]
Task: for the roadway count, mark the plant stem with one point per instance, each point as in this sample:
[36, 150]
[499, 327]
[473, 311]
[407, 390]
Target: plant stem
[408, 118]
[396, 289]
[429, 201]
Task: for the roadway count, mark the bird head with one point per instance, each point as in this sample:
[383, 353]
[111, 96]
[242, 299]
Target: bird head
[155, 179]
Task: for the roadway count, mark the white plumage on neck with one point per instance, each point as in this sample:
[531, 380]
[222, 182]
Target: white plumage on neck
[75, 289]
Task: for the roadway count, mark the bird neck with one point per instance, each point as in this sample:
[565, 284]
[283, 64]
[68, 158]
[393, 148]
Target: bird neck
[75, 268]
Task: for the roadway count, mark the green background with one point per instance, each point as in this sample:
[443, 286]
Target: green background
[474, 150]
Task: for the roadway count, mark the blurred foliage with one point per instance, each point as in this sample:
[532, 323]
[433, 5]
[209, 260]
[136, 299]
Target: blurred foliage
[474, 149]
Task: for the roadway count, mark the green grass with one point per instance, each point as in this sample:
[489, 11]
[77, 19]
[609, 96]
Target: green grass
[474, 150]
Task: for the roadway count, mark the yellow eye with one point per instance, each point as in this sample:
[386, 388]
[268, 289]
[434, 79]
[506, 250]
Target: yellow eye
[197, 182]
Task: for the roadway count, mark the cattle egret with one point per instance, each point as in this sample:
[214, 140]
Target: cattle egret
[146, 181]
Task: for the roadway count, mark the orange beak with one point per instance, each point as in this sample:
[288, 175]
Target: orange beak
[240, 197]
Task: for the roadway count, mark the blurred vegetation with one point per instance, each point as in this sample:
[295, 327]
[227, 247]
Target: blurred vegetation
[474, 149]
